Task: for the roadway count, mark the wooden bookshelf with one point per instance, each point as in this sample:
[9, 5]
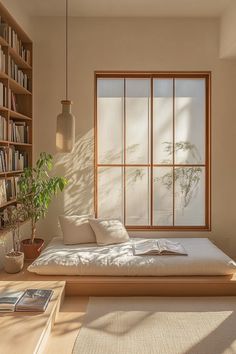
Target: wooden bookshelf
[16, 105]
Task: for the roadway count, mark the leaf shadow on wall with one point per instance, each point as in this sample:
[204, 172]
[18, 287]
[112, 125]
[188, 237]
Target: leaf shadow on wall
[77, 198]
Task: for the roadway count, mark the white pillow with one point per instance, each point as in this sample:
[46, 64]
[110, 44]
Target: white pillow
[109, 231]
[76, 229]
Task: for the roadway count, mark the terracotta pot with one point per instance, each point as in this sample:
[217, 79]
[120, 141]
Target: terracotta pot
[32, 250]
[14, 263]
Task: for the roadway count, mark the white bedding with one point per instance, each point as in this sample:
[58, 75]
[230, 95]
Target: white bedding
[204, 258]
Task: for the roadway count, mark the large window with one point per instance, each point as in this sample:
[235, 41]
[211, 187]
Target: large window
[152, 146]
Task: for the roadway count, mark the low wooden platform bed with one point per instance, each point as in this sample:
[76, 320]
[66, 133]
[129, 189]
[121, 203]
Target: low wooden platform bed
[114, 270]
[135, 286]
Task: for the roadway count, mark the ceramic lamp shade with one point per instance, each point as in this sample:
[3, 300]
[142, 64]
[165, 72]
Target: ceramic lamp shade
[65, 134]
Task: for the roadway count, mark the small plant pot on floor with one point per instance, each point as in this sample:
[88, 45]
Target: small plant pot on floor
[14, 262]
[32, 250]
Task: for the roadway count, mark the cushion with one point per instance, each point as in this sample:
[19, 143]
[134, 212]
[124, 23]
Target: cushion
[76, 229]
[109, 231]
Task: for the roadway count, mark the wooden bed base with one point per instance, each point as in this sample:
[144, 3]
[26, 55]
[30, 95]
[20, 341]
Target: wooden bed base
[151, 286]
[135, 286]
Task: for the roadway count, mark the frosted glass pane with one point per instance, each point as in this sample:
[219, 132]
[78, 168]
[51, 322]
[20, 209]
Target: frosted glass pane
[110, 192]
[163, 121]
[190, 196]
[137, 107]
[137, 196]
[190, 121]
[163, 196]
[110, 117]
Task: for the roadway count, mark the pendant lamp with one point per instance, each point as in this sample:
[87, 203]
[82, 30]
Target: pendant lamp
[65, 133]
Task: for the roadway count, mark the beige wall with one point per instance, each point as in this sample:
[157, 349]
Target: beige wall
[130, 44]
[228, 31]
[18, 10]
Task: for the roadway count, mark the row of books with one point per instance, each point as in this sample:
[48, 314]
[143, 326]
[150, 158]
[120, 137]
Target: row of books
[3, 128]
[3, 95]
[18, 160]
[8, 189]
[2, 60]
[16, 43]
[10, 36]
[18, 132]
[18, 75]
[33, 300]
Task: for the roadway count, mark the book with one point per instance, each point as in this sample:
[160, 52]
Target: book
[3, 159]
[17, 189]
[3, 128]
[158, 248]
[2, 60]
[13, 101]
[9, 300]
[35, 300]
[3, 29]
[1, 94]
[10, 188]
[3, 194]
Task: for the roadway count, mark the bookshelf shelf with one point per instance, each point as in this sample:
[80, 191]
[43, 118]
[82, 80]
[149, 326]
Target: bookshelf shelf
[7, 203]
[10, 173]
[3, 75]
[5, 109]
[17, 88]
[16, 120]
[17, 115]
[20, 144]
[13, 172]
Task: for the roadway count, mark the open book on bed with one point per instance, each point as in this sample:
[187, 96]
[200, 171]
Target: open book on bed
[158, 248]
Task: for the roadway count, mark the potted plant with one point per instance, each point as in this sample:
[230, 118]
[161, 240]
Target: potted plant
[14, 260]
[36, 190]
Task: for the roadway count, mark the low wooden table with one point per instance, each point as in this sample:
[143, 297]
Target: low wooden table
[27, 332]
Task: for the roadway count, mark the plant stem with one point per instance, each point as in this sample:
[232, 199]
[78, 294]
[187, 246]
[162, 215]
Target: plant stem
[33, 231]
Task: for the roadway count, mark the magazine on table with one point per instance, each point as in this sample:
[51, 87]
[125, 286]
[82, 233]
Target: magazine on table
[9, 300]
[33, 300]
[158, 247]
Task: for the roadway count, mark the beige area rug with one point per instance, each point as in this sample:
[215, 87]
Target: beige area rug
[158, 325]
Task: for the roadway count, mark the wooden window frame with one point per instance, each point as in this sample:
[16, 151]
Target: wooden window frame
[154, 75]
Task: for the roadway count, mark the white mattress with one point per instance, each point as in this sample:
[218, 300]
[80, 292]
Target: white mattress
[204, 258]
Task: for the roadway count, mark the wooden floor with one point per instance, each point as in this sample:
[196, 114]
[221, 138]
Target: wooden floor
[67, 325]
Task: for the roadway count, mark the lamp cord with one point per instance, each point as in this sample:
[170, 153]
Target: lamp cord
[66, 49]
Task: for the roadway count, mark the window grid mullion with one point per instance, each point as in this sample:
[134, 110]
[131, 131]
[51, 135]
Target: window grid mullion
[124, 168]
[151, 167]
[173, 155]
